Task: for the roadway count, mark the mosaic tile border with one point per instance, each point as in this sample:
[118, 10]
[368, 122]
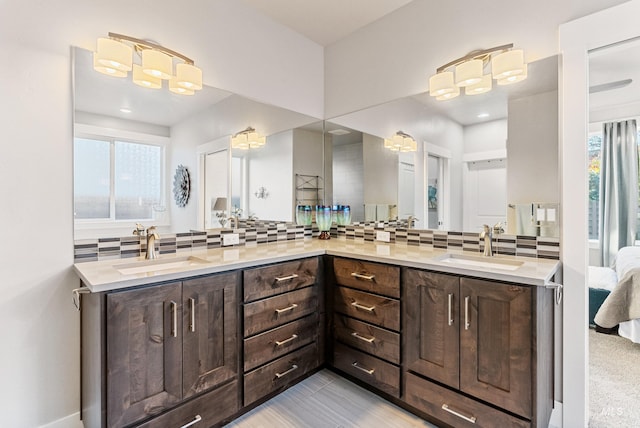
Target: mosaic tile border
[259, 232]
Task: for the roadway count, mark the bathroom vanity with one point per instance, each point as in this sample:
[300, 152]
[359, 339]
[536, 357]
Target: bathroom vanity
[467, 342]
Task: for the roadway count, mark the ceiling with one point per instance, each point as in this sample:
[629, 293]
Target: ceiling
[326, 21]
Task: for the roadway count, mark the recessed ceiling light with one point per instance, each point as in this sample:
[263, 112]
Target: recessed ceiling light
[483, 115]
[339, 132]
[125, 110]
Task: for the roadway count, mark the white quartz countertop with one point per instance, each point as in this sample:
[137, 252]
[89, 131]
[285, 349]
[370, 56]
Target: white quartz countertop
[106, 275]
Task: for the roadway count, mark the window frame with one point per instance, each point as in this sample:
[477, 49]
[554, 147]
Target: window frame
[161, 218]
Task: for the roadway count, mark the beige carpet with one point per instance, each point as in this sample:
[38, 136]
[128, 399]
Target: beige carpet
[614, 381]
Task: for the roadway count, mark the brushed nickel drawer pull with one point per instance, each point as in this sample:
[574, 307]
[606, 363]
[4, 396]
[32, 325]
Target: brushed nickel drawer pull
[280, 343]
[365, 339]
[450, 308]
[466, 313]
[367, 371]
[286, 278]
[362, 276]
[192, 321]
[195, 420]
[288, 308]
[174, 319]
[471, 419]
[366, 308]
[293, 367]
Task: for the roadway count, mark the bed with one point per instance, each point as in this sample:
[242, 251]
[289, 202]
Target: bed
[614, 294]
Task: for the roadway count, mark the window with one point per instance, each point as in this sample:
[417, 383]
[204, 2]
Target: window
[594, 150]
[117, 180]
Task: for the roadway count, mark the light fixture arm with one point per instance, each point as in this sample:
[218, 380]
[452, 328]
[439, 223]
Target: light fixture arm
[139, 43]
[479, 54]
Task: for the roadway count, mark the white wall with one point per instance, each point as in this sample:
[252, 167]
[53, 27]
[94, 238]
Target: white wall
[487, 136]
[308, 157]
[394, 56]
[271, 167]
[532, 148]
[380, 172]
[39, 362]
[348, 178]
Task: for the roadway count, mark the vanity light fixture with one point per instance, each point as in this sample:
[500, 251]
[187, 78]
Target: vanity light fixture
[114, 57]
[247, 139]
[507, 66]
[401, 142]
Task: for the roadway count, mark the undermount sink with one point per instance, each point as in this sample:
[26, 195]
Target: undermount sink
[482, 262]
[147, 266]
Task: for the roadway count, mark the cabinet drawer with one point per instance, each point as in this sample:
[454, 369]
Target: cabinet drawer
[368, 338]
[209, 409]
[274, 343]
[377, 310]
[266, 281]
[373, 277]
[372, 370]
[279, 374]
[453, 408]
[268, 313]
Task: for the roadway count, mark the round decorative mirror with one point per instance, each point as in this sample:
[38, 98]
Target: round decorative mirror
[181, 186]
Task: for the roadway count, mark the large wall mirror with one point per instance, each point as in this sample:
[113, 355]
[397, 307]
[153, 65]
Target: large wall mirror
[129, 142]
[481, 159]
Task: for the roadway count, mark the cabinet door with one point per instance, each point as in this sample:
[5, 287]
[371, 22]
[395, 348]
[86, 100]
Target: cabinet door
[431, 325]
[210, 337]
[144, 352]
[496, 343]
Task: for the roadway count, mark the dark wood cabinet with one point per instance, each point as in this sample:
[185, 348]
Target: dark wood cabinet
[479, 337]
[283, 318]
[365, 324]
[144, 353]
[156, 347]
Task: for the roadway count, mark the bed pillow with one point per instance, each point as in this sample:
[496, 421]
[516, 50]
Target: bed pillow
[628, 258]
[602, 277]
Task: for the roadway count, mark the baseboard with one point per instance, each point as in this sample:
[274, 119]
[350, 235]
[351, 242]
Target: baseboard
[556, 415]
[71, 421]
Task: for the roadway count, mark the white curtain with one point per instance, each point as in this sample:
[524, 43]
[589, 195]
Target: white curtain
[618, 188]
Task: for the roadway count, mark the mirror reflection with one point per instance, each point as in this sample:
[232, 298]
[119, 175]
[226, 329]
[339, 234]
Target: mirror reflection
[477, 157]
[129, 142]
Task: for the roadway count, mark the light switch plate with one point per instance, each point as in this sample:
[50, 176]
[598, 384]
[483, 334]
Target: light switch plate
[383, 236]
[230, 239]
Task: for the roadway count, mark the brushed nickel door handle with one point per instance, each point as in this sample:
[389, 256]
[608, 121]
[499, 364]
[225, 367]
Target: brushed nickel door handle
[362, 369]
[364, 339]
[450, 308]
[365, 308]
[195, 420]
[286, 278]
[174, 319]
[288, 308]
[471, 419]
[466, 313]
[293, 367]
[192, 321]
[363, 276]
[283, 342]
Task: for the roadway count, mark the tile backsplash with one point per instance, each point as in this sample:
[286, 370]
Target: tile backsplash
[252, 233]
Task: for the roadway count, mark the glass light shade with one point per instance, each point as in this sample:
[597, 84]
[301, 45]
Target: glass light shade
[257, 142]
[409, 145]
[113, 54]
[469, 73]
[240, 142]
[145, 80]
[189, 76]
[388, 144]
[449, 95]
[157, 64]
[441, 83]
[508, 64]
[484, 85]
[515, 78]
[175, 88]
[109, 71]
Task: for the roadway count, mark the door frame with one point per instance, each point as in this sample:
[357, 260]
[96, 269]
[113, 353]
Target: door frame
[576, 39]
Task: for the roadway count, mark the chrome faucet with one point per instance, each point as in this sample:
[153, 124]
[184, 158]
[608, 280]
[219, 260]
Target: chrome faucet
[151, 236]
[487, 235]
[233, 222]
[411, 221]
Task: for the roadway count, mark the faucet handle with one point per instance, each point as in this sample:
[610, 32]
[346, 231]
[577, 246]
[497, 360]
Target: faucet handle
[139, 229]
[498, 228]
